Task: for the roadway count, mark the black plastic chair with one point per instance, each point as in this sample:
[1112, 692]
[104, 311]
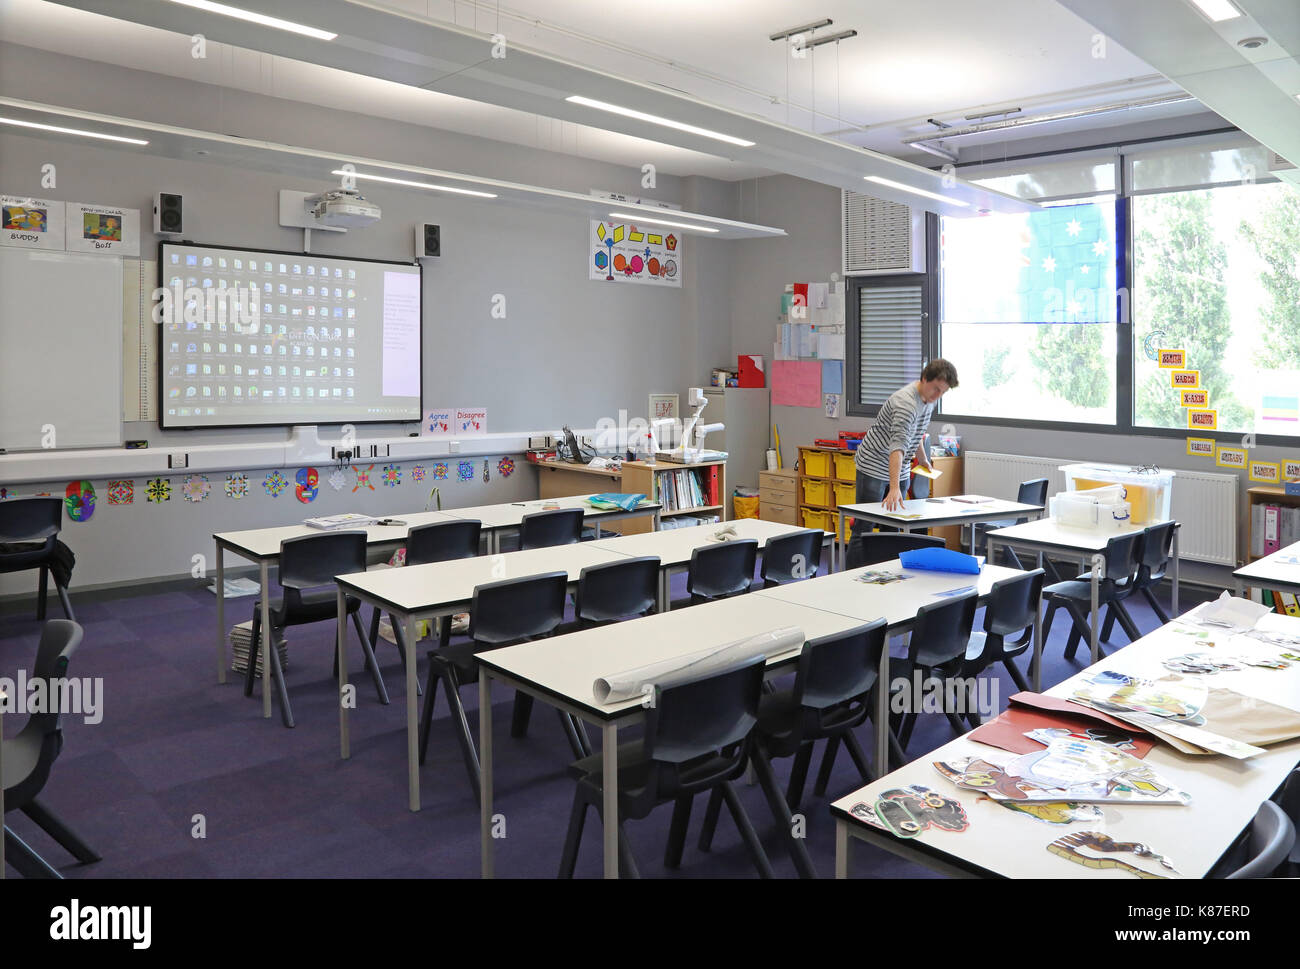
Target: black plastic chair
[1118, 581]
[789, 558]
[1153, 563]
[308, 565]
[1268, 843]
[721, 570]
[1010, 608]
[29, 756]
[937, 647]
[617, 590]
[545, 529]
[698, 737]
[1289, 799]
[1032, 492]
[877, 547]
[831, 697]
[501, 614]
[436, 542]
[34, 523]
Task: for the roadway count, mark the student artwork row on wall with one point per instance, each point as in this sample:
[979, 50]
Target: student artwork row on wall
[80, 496]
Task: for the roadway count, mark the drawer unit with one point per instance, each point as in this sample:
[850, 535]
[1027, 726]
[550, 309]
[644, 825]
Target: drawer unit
[845, 469]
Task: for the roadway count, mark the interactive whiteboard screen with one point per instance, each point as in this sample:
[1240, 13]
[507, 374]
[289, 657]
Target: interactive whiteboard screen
[251, 337]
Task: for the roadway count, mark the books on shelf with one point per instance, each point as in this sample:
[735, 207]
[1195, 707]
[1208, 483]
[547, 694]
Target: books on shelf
[346, 520]
[681, 489]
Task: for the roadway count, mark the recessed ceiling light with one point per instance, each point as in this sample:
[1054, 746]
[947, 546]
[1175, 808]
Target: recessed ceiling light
[253, 16]
[915, 191]
[1217, 10]
[655, 119]
[653, 221]
[413, 184]
[72, 131]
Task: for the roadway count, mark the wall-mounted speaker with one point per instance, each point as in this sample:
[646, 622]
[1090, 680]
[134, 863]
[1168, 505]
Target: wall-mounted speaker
[428, 240]
[167, 214]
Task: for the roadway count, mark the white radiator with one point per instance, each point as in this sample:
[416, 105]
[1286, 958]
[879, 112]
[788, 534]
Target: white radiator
[1205, 503]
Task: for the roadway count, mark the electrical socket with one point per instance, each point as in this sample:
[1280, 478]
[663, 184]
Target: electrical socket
[178, 460]
[453, 447]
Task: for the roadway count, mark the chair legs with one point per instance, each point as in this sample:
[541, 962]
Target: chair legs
[573, 838]
[781, 813]
[677, 832]
[1017, 677]
[1159, 609]
[62, 590]
[523, 710]
[371, 662]
[798, 776]
[42, 593]
[60, 832]
[26, 861]
[374, 642]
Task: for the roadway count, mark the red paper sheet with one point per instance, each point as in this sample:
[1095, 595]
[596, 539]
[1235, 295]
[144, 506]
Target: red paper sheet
[1033, 711]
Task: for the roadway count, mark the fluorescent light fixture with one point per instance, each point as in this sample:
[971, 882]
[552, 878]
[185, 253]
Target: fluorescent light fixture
[1217, 10]
[655, 119]
[653, 221]
[915, 191]
[406, 181]
[72, 131]
[253, 16]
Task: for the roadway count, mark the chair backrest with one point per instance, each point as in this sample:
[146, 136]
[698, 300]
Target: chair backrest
[547, 528]
[834, 678]
[1032, 492]
[1121, 555]
[618, 590]
[941, 631]
[443, 541]
[314, 560]
[697, 732]
[31, 520]
[722, 569]
[1268, 842]
[514, 609]
[1157, 550]
[1013, 603]
[885, 546]
[59, 640]
[789, 558]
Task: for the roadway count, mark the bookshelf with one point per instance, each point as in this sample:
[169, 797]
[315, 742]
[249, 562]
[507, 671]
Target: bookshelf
[652, 481]
[1261, 496]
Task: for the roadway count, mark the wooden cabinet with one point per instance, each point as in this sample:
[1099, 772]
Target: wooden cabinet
[778, 496]
[1267, 495]
[950, 483]
[655, 480]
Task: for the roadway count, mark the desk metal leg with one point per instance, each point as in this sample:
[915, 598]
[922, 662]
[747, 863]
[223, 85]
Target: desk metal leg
[345, 740]
[609, 778]
[1098, 563]
[841, 542]
[412, 715]
[656, 521]
[882, 711]
[1036, 664]
[221, 614]
[486, 848]
[266, 640]
[1173, 612]
[842, 843]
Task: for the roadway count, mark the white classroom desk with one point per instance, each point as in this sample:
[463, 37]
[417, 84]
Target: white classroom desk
[937, 513]
[1049, 537]
[897, 603]
[1000, 842]
[1278, 571]
[439, 589]
[561, 671]
[507, 516]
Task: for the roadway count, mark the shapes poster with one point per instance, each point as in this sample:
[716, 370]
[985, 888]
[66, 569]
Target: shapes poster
[102, 228]
[31, 223]
[622, 250]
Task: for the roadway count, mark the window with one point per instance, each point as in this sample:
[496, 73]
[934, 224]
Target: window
[1217, 273]
[1028, 313]
[888, 316]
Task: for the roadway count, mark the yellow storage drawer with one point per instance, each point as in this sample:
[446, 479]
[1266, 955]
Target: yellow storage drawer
[813, 518]
[845, 469]
[816, 492]
[814, 463]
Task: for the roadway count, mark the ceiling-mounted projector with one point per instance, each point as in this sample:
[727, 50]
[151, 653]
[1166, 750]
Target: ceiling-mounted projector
[343, 207]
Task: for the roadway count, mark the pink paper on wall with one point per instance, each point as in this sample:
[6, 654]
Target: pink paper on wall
[797, 383]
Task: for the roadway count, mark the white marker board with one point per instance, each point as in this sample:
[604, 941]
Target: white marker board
[60, 349]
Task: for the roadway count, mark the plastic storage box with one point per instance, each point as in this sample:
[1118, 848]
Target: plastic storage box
[1148, 494]
[1099, 509]
[816, 492]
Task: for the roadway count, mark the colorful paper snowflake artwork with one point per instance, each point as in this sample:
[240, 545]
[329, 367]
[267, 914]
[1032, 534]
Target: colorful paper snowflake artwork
[159, 490]
[465, 471]
[5, 493]
[440, 471]
[392, 475]
[417, 472]
[338, 479]
[121, 492]
[79, 500]
[363, 479]
[274, 484]
[196, 487]
[308, 485]
[506, 467]
[236, 486]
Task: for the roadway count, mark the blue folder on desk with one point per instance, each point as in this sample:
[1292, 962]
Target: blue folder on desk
[940, 560]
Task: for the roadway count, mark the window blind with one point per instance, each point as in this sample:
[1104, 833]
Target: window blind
[889, 323]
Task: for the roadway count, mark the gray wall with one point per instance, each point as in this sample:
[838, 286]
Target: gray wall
[570, 350]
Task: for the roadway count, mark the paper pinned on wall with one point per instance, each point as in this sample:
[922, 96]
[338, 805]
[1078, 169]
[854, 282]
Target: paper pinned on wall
[796, 383]
[830, 345]
[833, 405]
[818, 293]
[832, 376]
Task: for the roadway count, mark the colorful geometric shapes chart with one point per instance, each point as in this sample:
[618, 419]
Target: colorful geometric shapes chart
[274, 484]
[417, 472]
[602, 259]
[79, 499]
[465, 470]
[338, 479]
[159, 490]
[363, 478]
[440, 471]
[195, 487]
[506, 467]
[392, 475]
[236, 486]
[307, 486]
[121, 492]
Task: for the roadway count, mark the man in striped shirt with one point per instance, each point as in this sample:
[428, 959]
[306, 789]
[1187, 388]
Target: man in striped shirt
[884, 456]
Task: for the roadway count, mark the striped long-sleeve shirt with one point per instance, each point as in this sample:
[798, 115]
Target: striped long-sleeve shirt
[898, 427]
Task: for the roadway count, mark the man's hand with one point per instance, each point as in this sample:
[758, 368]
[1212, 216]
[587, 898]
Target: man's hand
[894, 500]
